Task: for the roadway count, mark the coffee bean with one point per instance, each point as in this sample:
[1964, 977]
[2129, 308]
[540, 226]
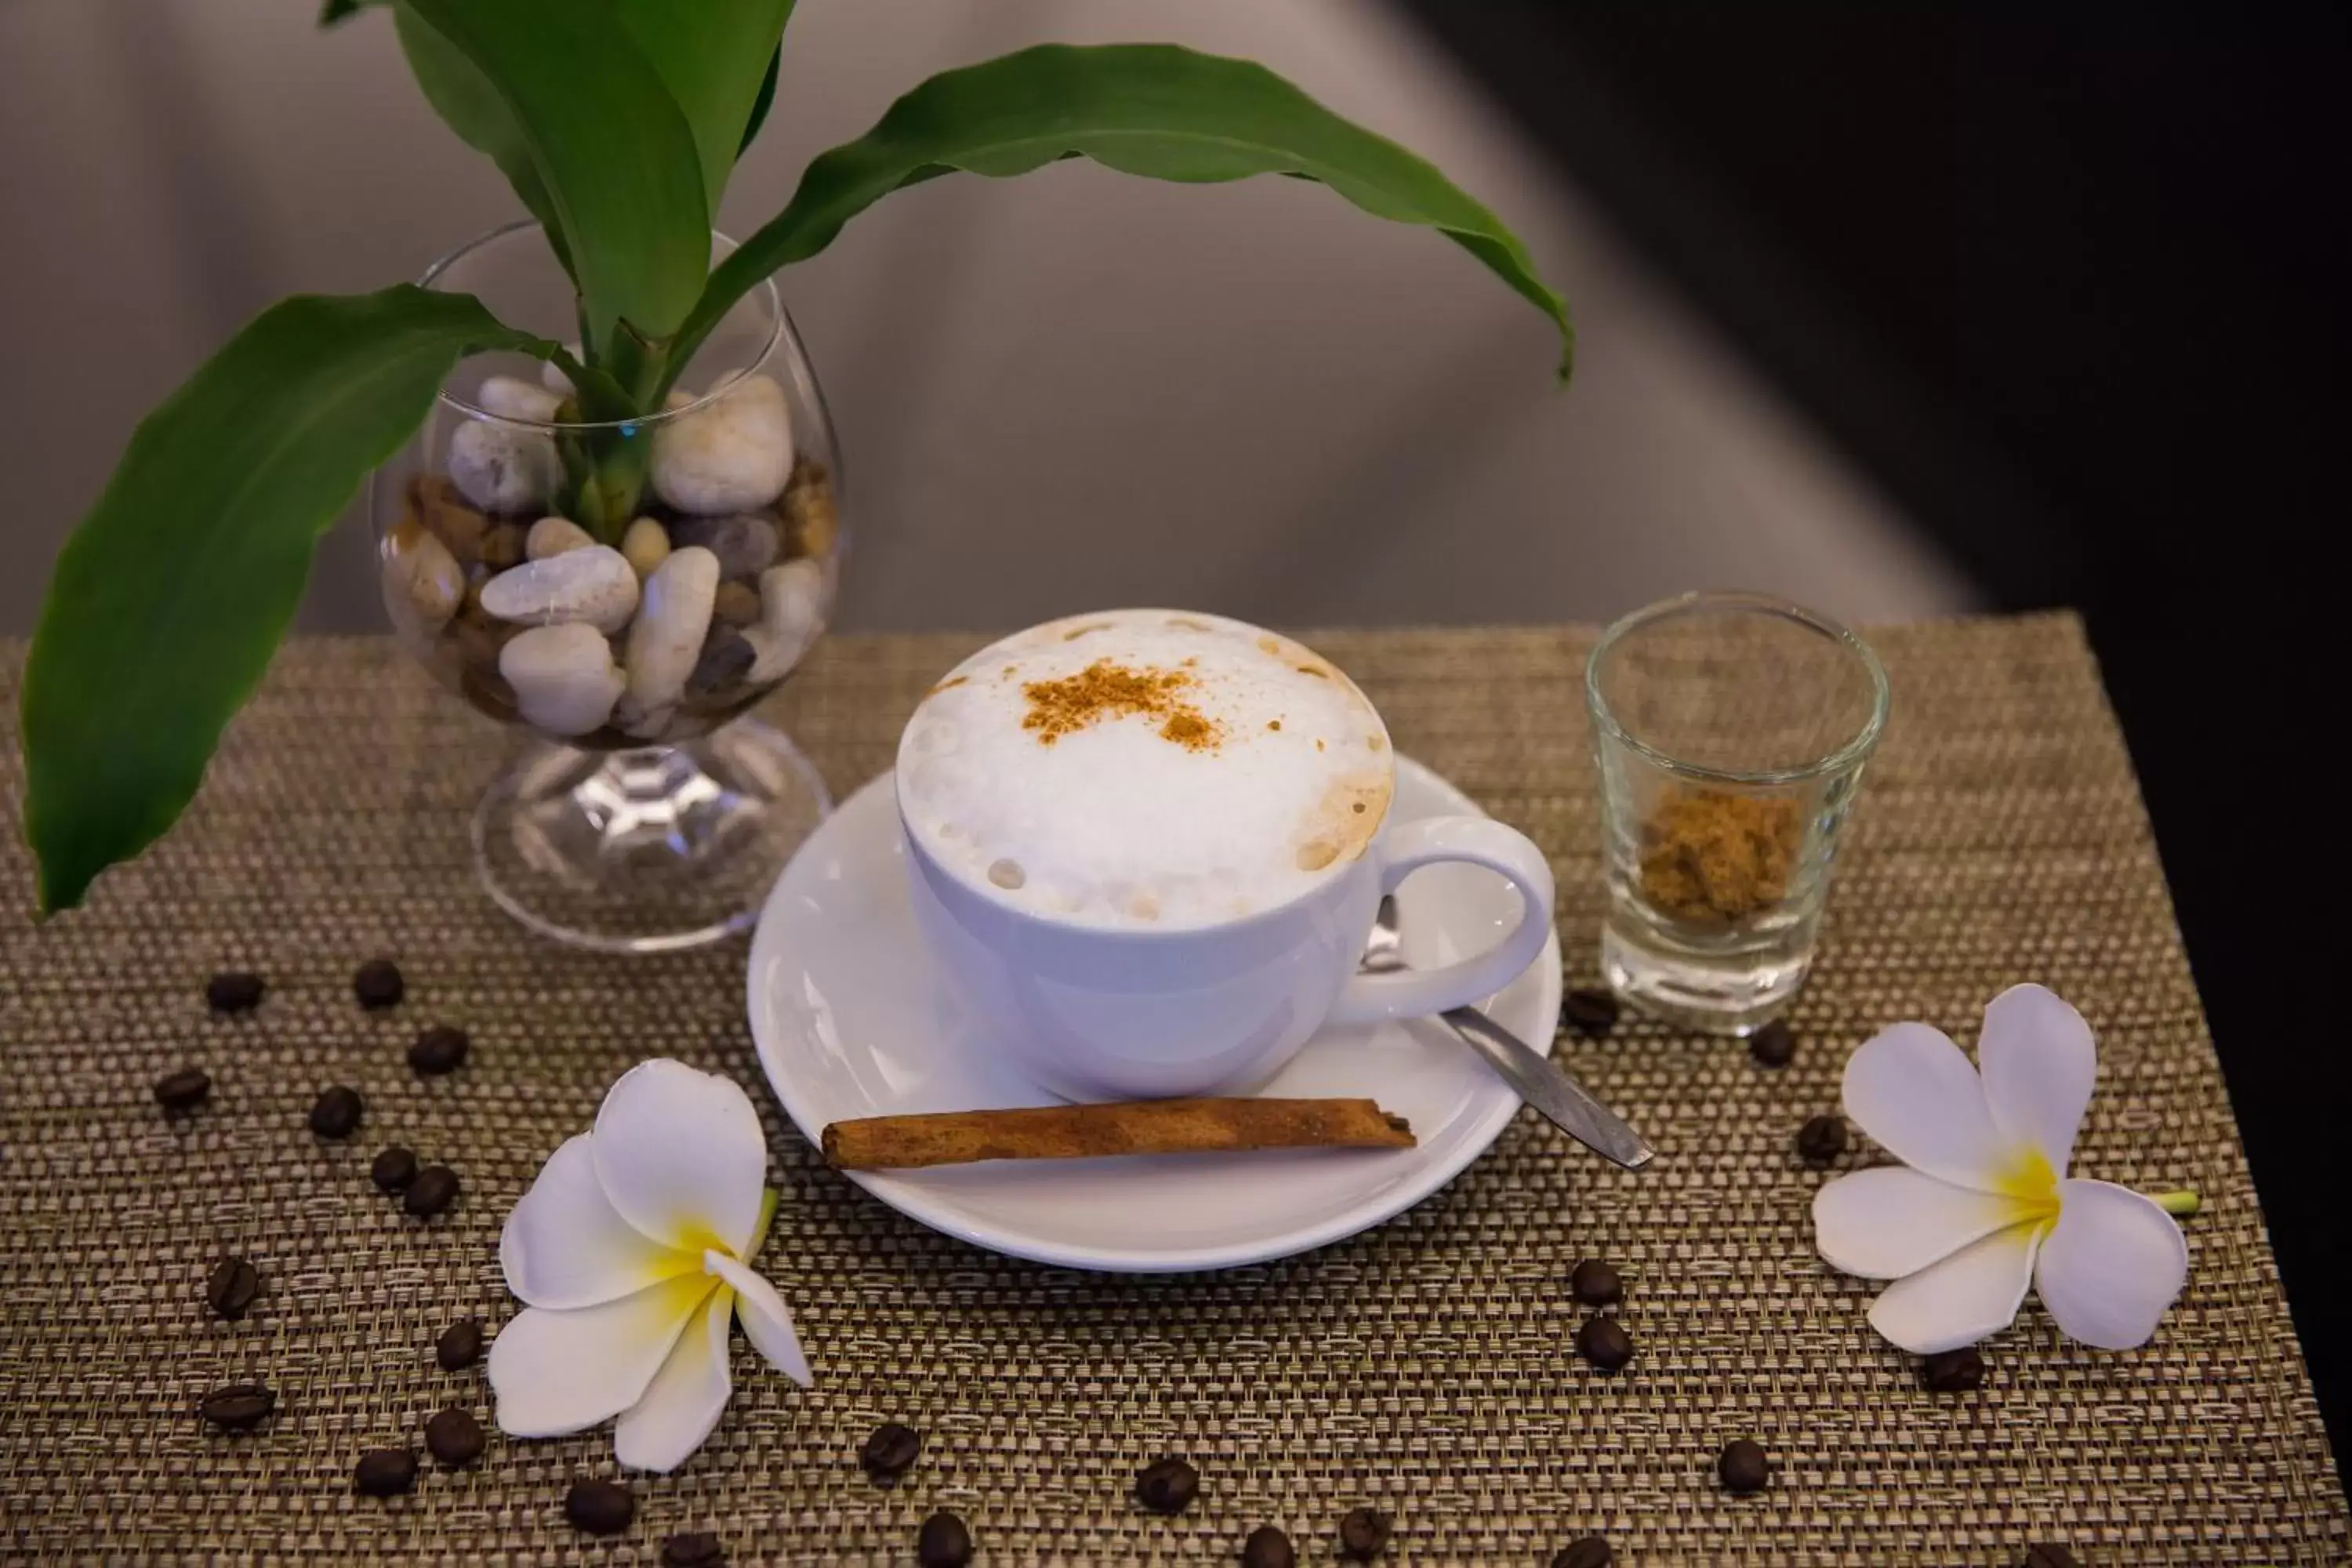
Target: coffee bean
[336, 1114]
[693, 1549]
[231, 1286]
[455, 1436]
[1590, 1552]
[394, 1168]
[1167, 1485]
[1772, 1046]
[385, 1472]
[943, 1543]
[1590, 1013]
[234, 991]
[600, 1507]
[1595, 1284]
[439, 1050]
[1604, 1343]
[377, 983]
[1363, 1533]
[1742, 1466]
[184, 1089]
[238, 1407]
[1953, 1372]
[889, 1449]
[2045, 1555]
[1269, 1548]
[1821, 1140]
[459, 1346]
[435, 1189]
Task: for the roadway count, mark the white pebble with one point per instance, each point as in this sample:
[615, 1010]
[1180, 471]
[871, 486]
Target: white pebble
[594, 585]
[501, 468]
[733, 455]
[564, 679]
[510, 398]
[550, 374]
[791, 618]
[646, 545]
[553, 536]
[667, 638]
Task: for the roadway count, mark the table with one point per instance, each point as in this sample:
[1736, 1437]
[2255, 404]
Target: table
[1423, 1368]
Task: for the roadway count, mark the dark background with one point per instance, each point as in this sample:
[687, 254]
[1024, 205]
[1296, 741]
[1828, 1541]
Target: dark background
[2069, 280]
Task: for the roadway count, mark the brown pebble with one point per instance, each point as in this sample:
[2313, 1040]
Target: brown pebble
[435, 1189]
[337, 1113]
[725, 660]
[439, 1050]
[1590, 1011]
[1364, 1534]
[459, 1346]
[1595, 1284]
[599, 1507]
[737, 603]
[1604, 1344]
[693, 1549]
[1772, 1046]
[1167, 1485]
[503, 545]
[231, 1286]
[234, 991]
[393, 1168]
[942, 1542]
[455, 1436]
[1588, 1551]
[378, 984]
[385, 1472]
[1742, 1466]
[238, 1407]
[184, 1089]
[1821, 1140]
[1269, 1548]
[2048, 1555]
[1952, 1372]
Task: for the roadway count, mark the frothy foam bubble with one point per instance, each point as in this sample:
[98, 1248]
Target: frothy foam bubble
[1151, 768]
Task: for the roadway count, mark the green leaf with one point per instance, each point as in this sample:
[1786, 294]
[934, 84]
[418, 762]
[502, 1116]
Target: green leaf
[335, 11]
[613, 152]
[1145, 108]
[167, 600]
[765, 102]
[711, 55]
[467, 103]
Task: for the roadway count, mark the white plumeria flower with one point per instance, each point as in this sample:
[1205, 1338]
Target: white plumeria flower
[1982, 1203]
[632, 1253]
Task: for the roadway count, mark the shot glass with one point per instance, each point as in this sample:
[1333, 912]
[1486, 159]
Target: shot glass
[1730, 730]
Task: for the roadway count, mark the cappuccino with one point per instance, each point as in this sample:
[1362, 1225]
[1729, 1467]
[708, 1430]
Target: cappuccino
[1154, 769]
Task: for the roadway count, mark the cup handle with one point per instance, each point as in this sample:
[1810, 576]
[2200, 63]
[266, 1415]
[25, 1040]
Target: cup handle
[1420, 993]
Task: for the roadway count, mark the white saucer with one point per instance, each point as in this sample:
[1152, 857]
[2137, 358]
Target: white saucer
[850, 1023]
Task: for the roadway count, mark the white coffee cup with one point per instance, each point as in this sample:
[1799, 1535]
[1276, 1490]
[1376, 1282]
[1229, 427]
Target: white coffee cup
[1096, 1001]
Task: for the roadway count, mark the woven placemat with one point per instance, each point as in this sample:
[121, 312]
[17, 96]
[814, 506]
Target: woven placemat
[1424, 1368]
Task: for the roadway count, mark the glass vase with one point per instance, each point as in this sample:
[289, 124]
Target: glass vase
[620, 594]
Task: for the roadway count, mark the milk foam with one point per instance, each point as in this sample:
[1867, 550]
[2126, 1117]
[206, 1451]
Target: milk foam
[1260, 769]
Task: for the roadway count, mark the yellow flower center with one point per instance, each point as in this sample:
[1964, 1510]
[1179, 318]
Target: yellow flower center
[2029, 1183]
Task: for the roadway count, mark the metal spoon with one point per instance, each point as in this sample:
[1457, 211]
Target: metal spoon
[1564, 1101]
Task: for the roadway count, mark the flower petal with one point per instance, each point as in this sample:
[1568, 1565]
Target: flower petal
[1888, 1220]
[1967, 1297]
[681, 1155]
[2038, 1068]
[767, 1322]
[556, 1372]
[2113, 1265]
[1913, 1091]
[683, 1403]
[565, 1245]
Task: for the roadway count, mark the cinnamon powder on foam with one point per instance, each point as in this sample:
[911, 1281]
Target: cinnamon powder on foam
[1108, 690]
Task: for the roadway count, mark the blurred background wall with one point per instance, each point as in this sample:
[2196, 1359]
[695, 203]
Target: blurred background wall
[1057, 392]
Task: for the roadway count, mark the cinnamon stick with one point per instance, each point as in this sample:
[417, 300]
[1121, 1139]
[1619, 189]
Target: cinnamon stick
[1120, 1127]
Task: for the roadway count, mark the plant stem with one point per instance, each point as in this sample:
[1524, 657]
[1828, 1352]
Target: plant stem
[2181, 1203]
